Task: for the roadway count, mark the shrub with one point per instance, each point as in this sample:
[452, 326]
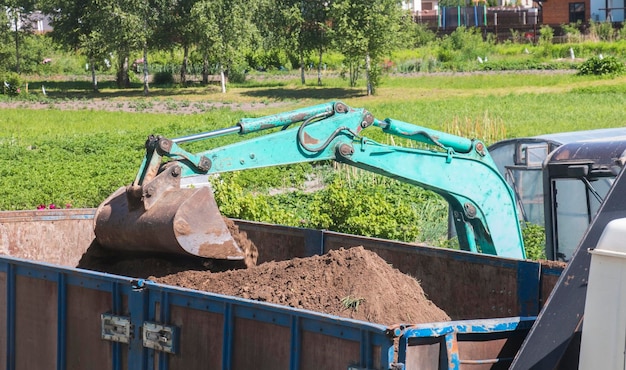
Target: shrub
[534, 241]
[11, 84]
[163, 78]
[601, 31]
[546, 34]
[607, 66]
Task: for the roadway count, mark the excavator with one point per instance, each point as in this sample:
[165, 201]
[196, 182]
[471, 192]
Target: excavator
[170, 207]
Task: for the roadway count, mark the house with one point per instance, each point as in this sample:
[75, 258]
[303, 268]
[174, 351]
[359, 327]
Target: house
[36, 21]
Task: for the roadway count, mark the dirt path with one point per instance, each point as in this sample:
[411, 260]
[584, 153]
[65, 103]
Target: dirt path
[151, 106]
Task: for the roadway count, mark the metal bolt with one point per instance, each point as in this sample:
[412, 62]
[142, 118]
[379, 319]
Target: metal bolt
[367, 120]
[470, 210]
[340, 108]
[480, 148]
[252, 155]
[345, 150]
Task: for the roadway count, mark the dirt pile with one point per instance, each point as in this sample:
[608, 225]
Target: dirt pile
[354, 283]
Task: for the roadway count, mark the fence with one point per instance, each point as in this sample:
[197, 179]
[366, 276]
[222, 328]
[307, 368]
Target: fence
[478, 16]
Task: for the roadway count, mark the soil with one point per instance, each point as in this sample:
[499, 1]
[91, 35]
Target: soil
[155, 106]
[353, 283]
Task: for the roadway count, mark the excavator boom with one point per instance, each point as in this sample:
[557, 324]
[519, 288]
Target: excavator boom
[167, 208]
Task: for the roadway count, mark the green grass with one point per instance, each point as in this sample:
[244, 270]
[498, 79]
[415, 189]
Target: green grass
[79, 157]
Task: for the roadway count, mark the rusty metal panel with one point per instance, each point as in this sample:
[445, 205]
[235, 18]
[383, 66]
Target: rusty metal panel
[275, 243]
[489, 351]
[322, 352]
[424, 353]
[260, 345]
[463, 345]
[53, 236]
[549, 278]
[201, 339]
[84, 347]
[35, 323]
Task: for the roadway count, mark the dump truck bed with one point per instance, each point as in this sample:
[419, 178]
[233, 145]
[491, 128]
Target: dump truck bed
[79, 318]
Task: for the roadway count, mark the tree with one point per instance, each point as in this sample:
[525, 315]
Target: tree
[80, 24]
[297, 26]
[5, 37]
[367, 30]
[225, 29]
[314, 35]
[175, 27]
[18, 11]
[127, 32]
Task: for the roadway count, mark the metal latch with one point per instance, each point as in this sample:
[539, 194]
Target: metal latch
[159, 337]
[115, 328]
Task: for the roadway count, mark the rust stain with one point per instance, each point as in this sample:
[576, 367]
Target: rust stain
[181, 227]
[568, 279]
[151, 173]
[453, 347]
[308, 139]
[300, 117]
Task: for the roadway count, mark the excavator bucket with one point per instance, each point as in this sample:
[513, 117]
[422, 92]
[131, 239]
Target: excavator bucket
[180, 221]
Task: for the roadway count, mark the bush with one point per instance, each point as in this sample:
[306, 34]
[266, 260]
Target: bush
[11, 84]
[534, 241]
[607, 66]
[602, 31]
[163, 78]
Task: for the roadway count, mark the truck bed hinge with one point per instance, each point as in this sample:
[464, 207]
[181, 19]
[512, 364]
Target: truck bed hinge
[160, 337]
[116, 328]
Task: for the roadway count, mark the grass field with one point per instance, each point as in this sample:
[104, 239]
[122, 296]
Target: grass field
[63, 153]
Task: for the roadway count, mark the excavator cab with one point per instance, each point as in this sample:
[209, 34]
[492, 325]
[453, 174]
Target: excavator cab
[525, 165]
[578, 177]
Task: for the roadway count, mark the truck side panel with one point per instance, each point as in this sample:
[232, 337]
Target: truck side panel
[483, 286]
[58, 309]
[59, 237]
[53, 320]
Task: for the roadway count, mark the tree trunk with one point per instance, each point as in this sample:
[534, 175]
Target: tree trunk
[368, 68]
[123, 81]
[319, 69]
[146, 88]
[126, 77]
[222, 79]
[17, 44]
[205, 69]
[94, 80]
[183, 68]
[302, 78]
[354, 73]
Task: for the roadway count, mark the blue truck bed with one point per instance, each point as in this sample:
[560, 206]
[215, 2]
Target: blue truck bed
[55, 316]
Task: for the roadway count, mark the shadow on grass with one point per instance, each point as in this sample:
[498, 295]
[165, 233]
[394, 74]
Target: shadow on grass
[265, 90]
[109, 89]
[305, 93]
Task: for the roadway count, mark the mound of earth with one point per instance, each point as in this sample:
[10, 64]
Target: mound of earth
[353, 283]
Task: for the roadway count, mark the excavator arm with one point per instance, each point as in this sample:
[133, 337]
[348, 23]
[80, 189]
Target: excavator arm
[458, 169]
